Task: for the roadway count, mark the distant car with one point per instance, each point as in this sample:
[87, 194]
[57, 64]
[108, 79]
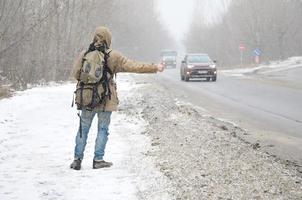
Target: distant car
[198, 66]
[169, 58]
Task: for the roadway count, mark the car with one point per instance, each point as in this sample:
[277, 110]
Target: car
[198, 66]
[169, 58]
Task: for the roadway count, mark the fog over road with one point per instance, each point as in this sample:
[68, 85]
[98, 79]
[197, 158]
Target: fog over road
[269, 108]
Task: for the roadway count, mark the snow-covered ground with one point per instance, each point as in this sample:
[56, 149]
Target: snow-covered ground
[162, 148]
[38, 129]
[275, 66]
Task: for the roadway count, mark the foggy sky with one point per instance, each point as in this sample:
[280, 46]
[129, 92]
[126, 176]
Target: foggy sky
[177, 15]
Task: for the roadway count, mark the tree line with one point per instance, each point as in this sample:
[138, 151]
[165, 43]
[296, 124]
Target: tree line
[39, 39]
[273, 26]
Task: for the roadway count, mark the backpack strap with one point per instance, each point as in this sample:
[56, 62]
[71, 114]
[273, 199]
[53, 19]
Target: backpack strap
[105, 80]
[106, 70]
[107, 55]
[113, 75]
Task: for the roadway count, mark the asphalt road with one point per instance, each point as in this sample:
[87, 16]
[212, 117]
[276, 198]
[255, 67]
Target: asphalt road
[268, 106]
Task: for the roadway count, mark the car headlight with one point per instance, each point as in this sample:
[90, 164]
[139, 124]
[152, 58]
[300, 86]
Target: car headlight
[190, 66]
[213, 66]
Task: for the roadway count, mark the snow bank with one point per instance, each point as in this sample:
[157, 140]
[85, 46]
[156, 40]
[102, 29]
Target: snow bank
[273, 66]
[38, 129]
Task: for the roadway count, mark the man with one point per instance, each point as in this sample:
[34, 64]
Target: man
[116, 63]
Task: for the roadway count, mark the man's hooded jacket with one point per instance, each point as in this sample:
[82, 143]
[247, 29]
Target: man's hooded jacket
[117, 63]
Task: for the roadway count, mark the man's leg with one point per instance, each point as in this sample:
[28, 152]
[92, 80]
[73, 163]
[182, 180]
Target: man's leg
[86, 120]
[101, 140]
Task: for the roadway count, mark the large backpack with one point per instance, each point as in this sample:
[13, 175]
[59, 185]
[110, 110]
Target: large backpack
[93, 83]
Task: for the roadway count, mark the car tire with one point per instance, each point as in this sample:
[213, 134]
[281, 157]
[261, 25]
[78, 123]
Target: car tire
[187, 78]
[208, 79]
[182, 77]
[214, 78]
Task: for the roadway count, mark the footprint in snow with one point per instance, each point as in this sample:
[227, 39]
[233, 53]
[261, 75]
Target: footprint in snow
[45, 183]
[51, 194]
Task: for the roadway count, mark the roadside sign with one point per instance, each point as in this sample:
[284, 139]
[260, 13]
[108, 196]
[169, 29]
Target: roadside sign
[257, 52]
[241, 47]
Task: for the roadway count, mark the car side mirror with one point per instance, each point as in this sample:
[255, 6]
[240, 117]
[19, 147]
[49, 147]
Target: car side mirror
[183, 62]
[214, 61]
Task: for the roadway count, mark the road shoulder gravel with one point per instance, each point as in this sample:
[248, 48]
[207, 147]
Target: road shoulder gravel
[205, 158]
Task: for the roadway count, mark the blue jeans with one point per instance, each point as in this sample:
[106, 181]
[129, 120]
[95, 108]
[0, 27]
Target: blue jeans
[102, 136]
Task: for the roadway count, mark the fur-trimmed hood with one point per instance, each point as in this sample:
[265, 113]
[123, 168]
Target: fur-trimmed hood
[102, 35]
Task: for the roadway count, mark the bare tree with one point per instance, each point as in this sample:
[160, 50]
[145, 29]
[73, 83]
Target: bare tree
[39, 39]
[271, 25]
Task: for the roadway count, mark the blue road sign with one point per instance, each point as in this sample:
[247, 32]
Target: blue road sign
[257, 52]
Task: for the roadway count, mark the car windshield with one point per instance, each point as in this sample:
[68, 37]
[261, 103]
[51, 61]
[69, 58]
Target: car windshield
[168, 58]
[198, 59]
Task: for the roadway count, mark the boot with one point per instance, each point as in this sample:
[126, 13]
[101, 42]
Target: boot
[101, 164]
[76, 164]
